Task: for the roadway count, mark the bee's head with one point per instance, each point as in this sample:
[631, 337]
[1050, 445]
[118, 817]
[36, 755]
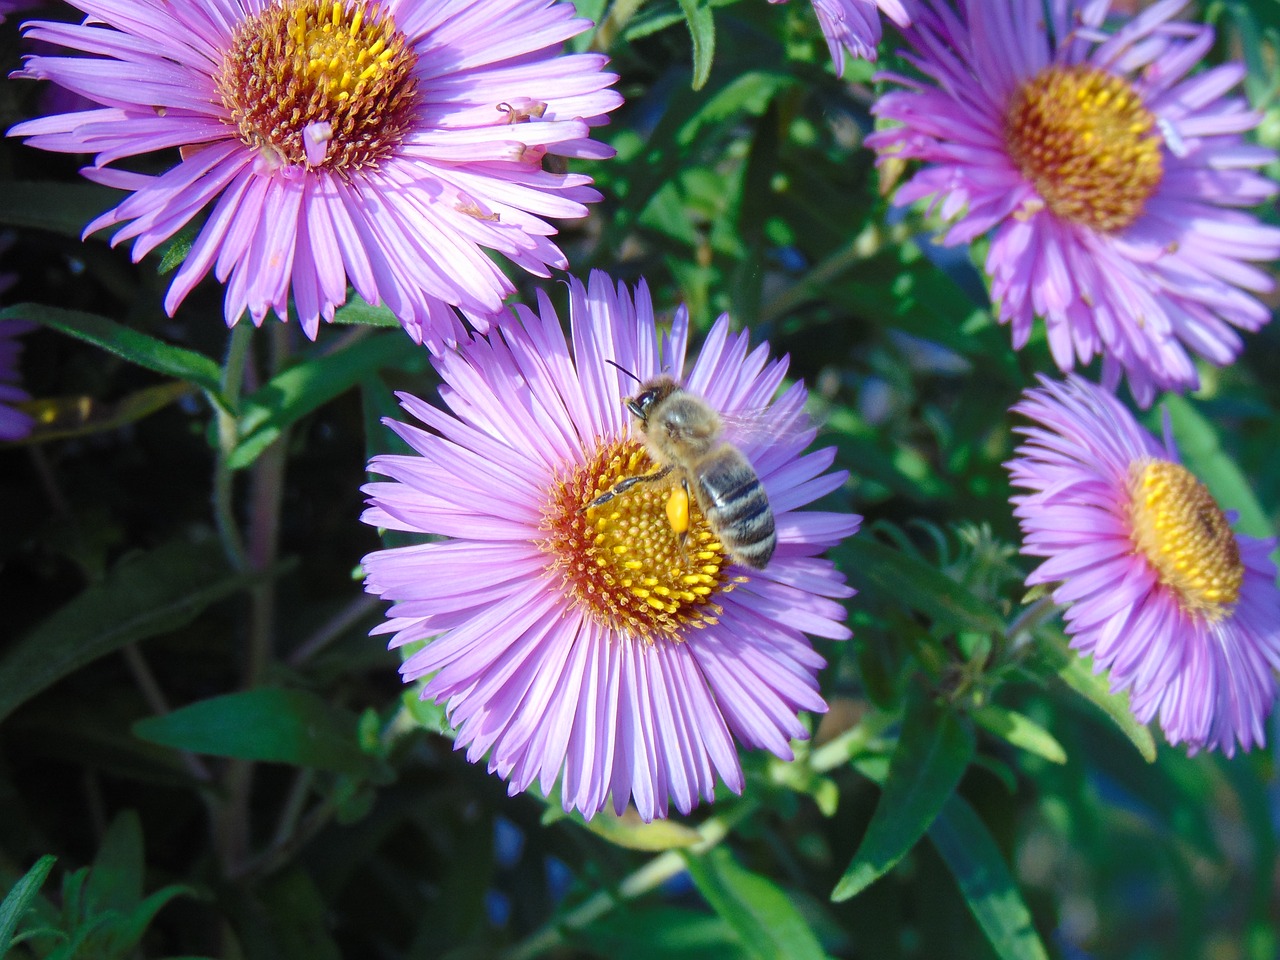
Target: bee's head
[652, 392]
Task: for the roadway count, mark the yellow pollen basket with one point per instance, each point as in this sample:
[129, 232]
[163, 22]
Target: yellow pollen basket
[301, 63]
[1181, 530]
[646, 562]
[1087, 143]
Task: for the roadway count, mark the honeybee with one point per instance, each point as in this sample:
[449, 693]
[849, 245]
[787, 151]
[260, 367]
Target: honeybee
[682, 435]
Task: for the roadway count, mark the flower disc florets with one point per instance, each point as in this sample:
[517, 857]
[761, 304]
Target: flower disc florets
[621, 561]
[1179, 527]
[339, 70]
[1086, 141]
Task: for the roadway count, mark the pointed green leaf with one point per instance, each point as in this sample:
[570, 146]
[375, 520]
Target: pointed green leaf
[296, 392]
[145, 594]
[136, 347]
[702, 28]
[19, 899]
[761, 914]
[115, 882]
[633, 833]
[932, 755]
[283, 726]
[1021, 731]
[662, 933]
[971, 854]
[1075, 672]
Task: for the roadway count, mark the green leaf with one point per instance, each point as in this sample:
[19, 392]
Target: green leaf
[633, 833]
[1021, 731]
[58, 418]
[662, 933]
[971, 854]
[1198, 445]
[761, 914]
[296, 392]
[19, 899]
[363, 314]
[702, 29]
[144, 595]
[125, 932]
[115, 882]
[1076, 673]
[913, 583]
[63, 208]
[125, 342]
[933, 752]
[282, 726]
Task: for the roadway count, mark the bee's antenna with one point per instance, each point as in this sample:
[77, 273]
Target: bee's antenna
[624, 370]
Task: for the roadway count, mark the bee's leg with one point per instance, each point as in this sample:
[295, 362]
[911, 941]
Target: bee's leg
[622, 486]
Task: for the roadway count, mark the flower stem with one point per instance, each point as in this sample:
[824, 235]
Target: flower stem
[223, 476]
[649, 877]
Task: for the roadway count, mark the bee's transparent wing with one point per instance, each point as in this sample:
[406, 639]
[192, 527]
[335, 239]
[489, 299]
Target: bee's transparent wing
[783, 424]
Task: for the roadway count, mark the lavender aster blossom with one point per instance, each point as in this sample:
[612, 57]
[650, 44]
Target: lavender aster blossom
[1109, 176]
[585, 647]
[1183, 612]
[14, 424]
[383, 143]
[854, 25]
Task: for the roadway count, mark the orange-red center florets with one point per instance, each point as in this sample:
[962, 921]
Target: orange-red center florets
[321, 83]
[621, 562]
[1087, 143]
[1181, 530]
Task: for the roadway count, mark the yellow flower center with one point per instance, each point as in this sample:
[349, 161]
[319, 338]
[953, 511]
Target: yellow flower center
[1181, 530]
[1088, 145]
[622, 562]
[320, 83]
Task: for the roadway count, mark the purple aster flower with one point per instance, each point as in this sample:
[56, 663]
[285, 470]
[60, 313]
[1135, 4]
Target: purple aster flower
[1184, 613]
[14, 424]
[383, 143]
[1109, 176]
[587, 645]
[854, 25]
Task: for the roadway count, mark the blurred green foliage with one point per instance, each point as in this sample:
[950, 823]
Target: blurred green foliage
[974, 790]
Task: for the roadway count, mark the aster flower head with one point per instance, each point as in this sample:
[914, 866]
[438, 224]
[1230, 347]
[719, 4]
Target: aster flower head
[386, 144]
[854, 25]
[1183, 612]
[14, 424]
[1110, 177]
[584, 645]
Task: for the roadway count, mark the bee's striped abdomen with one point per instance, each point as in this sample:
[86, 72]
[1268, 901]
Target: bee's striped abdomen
[736, 506]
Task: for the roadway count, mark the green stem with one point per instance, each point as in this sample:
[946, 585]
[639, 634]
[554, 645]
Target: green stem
[649, 877]
[266, 496]
[1019, 631]
[223, 477]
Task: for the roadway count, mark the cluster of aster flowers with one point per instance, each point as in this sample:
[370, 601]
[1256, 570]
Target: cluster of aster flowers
[609, 644]
[1107, 176]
